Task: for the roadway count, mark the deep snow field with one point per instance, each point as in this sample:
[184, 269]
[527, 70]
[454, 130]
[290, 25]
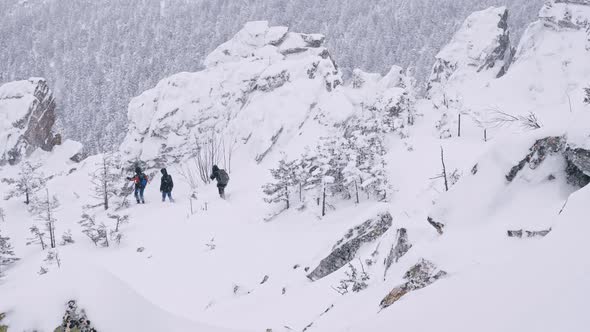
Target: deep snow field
[227, 266]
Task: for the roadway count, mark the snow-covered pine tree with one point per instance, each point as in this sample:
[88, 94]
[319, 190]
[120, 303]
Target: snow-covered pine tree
[38, 237]
[105, 179]
[2, 215]
[285, 178]
[587, 90]
[7, 256]
[44, 210]
[28, 182]
[116, 234]
[89, 227]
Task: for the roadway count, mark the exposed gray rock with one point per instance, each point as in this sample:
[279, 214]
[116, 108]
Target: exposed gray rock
[346, 248]
[538, 152]
[524, 233]
[34, 106]
[401, 247]
[577, 159]
[503, 53]
[417, 277]
[438, 226]
[270, 83]
[578, 166]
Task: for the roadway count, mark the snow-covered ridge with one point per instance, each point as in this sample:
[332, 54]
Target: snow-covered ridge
[27, 115]
[481, 44]
[265, 78]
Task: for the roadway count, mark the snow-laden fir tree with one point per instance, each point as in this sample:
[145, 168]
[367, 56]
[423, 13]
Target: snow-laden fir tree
[116, 234]
[28, 182]
[106, 179]
[285, 178]
[7, 256]
[44, 210]
[89, 227]
[37, 237]
[587, 90]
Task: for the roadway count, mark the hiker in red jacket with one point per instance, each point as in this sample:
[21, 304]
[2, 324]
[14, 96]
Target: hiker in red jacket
[140, 180]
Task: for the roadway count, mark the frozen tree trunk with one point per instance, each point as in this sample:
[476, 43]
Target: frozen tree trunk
[105, 184]
[49, 222]
[27, 201]
[485, 135]
[324, 202]
[444, 169]
[356, 188]
[459, 127]
[287, 196]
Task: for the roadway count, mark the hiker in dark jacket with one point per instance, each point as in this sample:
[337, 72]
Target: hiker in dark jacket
[220, 175]
[140, 180]
[166, 185]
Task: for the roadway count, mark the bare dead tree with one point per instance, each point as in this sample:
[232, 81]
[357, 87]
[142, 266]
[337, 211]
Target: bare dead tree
[207, 154]
[44, 209]
[444, 169]
[443, 174]
[191, 176]
[500, 119]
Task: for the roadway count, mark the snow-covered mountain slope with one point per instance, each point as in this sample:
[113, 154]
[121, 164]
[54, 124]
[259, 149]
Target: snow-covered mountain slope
[73, 44]
[27, 115]
[503, 249]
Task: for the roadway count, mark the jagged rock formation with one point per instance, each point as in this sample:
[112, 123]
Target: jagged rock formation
[401, 247]
[418, 276]
[577, 159]
[262, 70]
[27, 115]
[538, 152]
[346, 248]
[481, 44]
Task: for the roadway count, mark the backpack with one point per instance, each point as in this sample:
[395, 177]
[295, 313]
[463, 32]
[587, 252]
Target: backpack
[223, 177]
[143, 180]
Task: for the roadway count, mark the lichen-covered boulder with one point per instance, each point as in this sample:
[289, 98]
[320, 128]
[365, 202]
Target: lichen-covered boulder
[418, 276]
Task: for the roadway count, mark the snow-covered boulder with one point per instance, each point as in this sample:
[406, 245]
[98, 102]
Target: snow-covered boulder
[27, 115]
[482, 44]
[258, 88]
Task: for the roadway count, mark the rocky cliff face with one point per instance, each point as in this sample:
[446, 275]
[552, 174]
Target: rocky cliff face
[27, 115]
[482, 44]
[265, 78]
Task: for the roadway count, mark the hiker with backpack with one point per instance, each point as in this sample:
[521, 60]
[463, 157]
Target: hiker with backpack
[140, 180]
[166, 185]
[222, 179]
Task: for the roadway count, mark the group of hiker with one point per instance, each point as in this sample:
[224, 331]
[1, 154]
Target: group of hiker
[140, 179]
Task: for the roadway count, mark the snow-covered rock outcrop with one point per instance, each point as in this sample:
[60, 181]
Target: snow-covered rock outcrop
[257, 88]
[482, 44]
[27, 115]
